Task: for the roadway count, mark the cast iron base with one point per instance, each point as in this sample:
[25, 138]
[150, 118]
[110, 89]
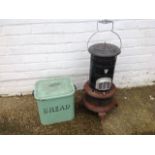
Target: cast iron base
[101, 109]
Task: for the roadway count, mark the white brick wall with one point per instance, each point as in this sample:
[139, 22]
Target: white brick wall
[34, 49]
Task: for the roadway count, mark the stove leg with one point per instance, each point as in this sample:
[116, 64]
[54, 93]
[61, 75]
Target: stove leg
[116, 104]
[102, 115]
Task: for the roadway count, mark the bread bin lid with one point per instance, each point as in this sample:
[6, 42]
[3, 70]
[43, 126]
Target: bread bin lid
[53, 88]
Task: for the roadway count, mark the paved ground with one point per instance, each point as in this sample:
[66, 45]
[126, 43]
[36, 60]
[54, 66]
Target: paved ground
[135, 115]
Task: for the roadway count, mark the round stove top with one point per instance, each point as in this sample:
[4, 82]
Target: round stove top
[104, 50]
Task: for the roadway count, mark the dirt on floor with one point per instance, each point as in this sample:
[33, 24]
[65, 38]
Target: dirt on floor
[134, 115]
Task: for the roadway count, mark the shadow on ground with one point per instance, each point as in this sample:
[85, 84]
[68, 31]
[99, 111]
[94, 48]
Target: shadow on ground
[134, 115]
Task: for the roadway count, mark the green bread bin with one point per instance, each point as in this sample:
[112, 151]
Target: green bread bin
[55, 100]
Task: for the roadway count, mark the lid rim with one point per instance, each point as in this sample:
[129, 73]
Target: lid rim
[106, 50]
[55, 97]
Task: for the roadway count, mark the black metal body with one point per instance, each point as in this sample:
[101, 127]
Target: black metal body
[98, 65]
[102, 65]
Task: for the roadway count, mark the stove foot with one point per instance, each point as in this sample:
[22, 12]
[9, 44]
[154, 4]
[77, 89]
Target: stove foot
[102, 115]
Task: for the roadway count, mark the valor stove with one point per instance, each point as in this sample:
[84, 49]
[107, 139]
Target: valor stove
[99, 90]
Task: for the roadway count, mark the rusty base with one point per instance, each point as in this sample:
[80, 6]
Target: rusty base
[100, 109]
[98, 94]
[98, 101]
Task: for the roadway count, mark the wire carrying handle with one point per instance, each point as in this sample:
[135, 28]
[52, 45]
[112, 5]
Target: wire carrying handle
[112, 30]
